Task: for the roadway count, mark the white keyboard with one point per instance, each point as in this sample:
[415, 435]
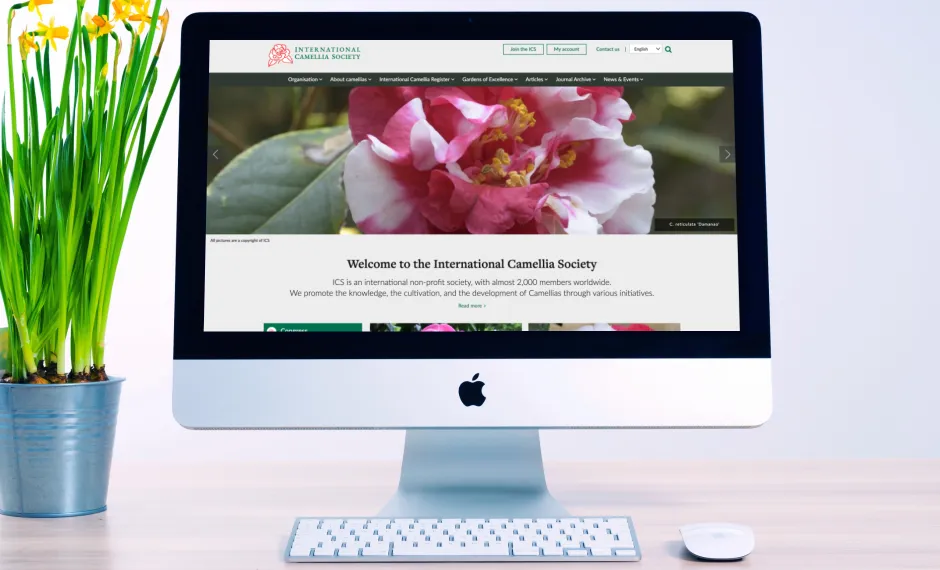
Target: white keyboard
[583, 539]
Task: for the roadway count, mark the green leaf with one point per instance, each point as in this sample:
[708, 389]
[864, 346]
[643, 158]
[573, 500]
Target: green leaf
[288, 184]
[695, 147]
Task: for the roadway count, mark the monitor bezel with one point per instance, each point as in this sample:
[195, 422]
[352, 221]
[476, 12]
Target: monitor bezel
[192, 342]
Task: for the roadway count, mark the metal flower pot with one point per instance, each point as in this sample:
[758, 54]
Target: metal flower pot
[56, 442]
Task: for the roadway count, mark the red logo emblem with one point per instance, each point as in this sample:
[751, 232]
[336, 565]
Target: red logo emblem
[280, 53]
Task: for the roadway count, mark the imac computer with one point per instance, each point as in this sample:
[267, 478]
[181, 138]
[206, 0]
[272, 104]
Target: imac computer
[471, 226]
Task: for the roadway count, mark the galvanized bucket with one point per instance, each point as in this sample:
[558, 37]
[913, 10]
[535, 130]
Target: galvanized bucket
[56, 442]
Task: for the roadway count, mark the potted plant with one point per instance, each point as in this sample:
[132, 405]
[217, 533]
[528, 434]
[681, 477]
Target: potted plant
[75, 146]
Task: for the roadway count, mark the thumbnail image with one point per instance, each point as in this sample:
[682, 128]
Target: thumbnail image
[605, 327]
[472, 159]
[444, 327]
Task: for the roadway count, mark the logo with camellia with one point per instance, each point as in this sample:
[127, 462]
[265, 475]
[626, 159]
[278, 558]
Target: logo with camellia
[280, 53]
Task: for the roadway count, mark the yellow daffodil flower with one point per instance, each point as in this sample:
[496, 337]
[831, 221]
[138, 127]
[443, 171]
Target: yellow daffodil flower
[26, 43]
[122, 10]
[142, 16]
[35, 4]
[52, 32]
[143, 19]
[97, 26]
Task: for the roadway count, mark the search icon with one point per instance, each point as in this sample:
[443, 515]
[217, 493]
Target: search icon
[668, 49]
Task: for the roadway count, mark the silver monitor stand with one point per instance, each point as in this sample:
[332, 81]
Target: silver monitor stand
[472, 473]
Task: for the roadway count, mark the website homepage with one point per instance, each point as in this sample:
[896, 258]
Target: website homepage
[471, 186]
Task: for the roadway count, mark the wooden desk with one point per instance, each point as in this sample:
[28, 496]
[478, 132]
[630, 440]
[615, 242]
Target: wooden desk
[806, 515]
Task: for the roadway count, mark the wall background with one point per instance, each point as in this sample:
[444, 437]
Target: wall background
[851, 122]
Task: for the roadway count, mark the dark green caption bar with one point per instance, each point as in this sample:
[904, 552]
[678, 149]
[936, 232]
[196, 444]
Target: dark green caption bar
[313, 327]
[464, 79]
[694, 225]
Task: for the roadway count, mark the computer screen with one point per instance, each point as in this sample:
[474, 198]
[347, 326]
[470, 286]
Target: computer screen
[471, 186]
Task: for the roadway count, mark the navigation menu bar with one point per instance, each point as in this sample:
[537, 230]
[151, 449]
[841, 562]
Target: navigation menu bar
[481, 79]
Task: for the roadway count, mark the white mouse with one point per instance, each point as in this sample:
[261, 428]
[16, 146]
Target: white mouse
[718, 541]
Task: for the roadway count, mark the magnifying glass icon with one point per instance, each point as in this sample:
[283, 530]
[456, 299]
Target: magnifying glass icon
[668, 49]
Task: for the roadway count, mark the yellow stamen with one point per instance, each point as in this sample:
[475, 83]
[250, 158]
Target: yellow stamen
[52, 32]
[496, 166]
[35, 4]
[495, 172]
[516, 179]
[567, 158]
[520, 118]
[525, 117]
[517, 138]
[496, 134]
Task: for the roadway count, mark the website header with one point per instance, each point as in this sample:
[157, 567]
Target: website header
[425, 56]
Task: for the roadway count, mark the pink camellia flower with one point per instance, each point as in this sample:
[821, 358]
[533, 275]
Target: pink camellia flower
[488, 160]
[633, 327]
[598, 327]
[604, 327]
[441, 327]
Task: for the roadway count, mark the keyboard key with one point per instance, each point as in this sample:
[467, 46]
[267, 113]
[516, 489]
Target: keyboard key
[624, 552]
[553, 551]
[525, 551]
[497, 550]
[610, 541]
[600, 551]
[402, 549]
[303, 551]
[576, 552]
[348, 551]
[321, 552]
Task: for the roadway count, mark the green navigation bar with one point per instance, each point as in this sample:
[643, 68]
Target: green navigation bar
[313, 327]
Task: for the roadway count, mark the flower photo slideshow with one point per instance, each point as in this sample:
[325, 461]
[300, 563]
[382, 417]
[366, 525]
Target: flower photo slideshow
[467, 159]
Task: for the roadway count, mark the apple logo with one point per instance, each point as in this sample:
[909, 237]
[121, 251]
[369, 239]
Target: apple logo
[471, 393]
